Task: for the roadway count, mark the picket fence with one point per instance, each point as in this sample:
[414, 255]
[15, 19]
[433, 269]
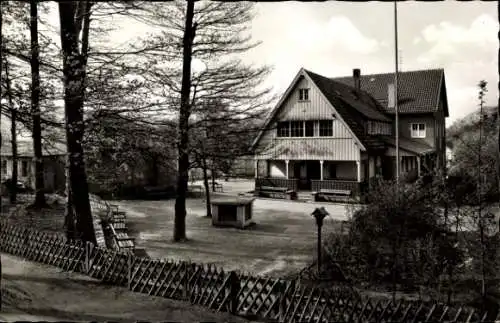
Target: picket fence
[264, 298]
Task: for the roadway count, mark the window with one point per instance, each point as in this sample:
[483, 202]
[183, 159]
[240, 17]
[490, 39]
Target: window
[418, 130]
[326, 128]
[303, 94]
[24, 168]
[296, 129]
[310, 128]
[283, 129]
[4, 167]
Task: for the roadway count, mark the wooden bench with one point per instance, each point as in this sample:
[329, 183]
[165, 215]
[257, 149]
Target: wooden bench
[122, 239]
[120, 226]
[99, 209]
[277, 192]
[330, 195]
[106, 210]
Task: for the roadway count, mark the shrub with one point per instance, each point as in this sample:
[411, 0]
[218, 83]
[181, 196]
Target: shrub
[400, 239]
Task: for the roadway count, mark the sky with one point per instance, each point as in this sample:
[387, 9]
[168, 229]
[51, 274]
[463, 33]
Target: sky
[333, 37]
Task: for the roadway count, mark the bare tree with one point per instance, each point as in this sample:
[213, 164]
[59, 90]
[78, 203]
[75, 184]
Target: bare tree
[75, 20]
[184, 114]
[498, 114]
[35, 107]
[1, 142]
[481, 218]
[209, 34]
[13, 132]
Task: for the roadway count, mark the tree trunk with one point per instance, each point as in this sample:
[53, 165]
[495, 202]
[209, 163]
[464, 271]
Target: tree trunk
[13, 135]
[69, 213]
[184, 114]
[35, 107]
[483, 259]
[212, 173]
[13, 120]
[1, 142]
[207, 187]
[498, 115]
[74, 65]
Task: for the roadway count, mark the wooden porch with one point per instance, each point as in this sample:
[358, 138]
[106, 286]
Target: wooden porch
[357, 188]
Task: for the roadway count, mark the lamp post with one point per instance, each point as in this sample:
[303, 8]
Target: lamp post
[319, 214]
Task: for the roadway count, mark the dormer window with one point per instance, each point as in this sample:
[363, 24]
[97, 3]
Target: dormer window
[417, 130]
[303, 94]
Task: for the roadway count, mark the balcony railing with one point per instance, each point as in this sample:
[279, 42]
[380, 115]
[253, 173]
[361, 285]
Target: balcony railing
[316, 185]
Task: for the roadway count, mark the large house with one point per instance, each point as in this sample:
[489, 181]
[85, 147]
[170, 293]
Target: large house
[338, 133]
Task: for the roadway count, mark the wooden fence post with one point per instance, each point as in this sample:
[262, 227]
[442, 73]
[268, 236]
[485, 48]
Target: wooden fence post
[234, 288]
[129, 270]
[282, 300]
[185, 289]
[87, 257]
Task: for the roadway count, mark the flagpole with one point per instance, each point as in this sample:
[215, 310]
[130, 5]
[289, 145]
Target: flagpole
[396, 87]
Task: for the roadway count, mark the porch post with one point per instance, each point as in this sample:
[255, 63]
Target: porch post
[418, 166]
[358, 163]
[256, 165]
[286, 167]
[321, 170]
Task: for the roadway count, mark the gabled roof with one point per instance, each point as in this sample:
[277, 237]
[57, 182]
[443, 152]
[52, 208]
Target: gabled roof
[418, 91]
[326, 91]
[354, 107]
[338, 93]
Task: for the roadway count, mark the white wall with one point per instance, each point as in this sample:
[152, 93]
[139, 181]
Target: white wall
[277, 168]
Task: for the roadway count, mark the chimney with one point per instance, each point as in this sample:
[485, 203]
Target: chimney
[357, 82]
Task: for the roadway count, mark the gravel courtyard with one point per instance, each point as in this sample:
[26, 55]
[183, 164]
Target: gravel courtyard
[283, 240]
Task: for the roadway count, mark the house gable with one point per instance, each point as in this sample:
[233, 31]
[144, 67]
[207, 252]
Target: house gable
[317, 107]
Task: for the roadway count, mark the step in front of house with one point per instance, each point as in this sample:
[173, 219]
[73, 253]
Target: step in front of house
[304, 196]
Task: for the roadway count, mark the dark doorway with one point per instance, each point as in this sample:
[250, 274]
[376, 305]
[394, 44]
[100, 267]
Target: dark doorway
[297, 165]
[313, 169]
[388, 166]
[312, 172]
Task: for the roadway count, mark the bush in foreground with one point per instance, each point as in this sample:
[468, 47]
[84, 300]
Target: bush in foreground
[400, 241]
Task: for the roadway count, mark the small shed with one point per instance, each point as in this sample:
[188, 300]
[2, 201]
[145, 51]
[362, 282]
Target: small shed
[232, 211]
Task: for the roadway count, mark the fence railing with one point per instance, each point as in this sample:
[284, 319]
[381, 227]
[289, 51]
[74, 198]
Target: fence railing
[270, 299]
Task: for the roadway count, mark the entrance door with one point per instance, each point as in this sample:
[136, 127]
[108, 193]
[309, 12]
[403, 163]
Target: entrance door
[313, 170]
[297, 165]
[306, 171]
[300, 173]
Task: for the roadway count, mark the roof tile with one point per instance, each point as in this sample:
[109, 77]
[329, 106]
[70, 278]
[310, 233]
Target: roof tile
[418, 90]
